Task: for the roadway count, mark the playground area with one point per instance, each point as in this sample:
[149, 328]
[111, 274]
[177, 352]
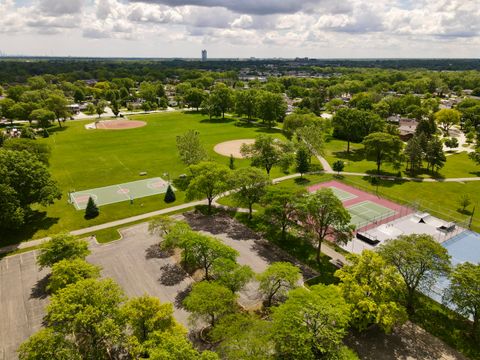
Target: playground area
[118, 193]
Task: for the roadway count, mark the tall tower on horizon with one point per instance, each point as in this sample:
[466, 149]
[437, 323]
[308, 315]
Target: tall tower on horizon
[204, 55]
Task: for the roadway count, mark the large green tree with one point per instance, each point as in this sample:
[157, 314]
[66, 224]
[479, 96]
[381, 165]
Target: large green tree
[250, 185]
[271, 107]
[311, 324]
[277, 280]
[383, 147]
[69, 271]
[190, 149]
[48, 344]
[25, 181]
[208, 301]
[322, 215]
[233, 276]
[210, 179]
[419, 259]
[222, 97]
[88, 311]
[373, 289]
[464, 292]
[446, 118]
[265, 152]
[61, 247]
[246, 103]
[280, 208]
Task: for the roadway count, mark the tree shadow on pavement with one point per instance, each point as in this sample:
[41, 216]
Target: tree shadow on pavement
[172, 274]
[39, 291]
[181, 295]
[154, 252]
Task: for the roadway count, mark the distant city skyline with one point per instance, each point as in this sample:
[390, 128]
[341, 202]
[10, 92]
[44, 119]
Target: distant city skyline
[241, 29]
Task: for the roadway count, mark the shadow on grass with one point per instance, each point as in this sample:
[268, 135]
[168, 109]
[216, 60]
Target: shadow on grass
[301, 181]
[38, 220]
[217, 121]
[447, 325]
[354, 155]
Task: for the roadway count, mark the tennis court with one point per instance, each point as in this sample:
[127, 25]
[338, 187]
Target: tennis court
[118, 193]
[367, 212]
[342, 194]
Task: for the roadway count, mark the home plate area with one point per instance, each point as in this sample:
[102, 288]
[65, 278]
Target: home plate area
[118, 193]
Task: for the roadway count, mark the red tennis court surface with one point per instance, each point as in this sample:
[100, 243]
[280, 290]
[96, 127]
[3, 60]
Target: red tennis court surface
[354, 198]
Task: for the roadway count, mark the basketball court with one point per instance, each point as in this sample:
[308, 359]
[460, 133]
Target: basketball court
[118, 193]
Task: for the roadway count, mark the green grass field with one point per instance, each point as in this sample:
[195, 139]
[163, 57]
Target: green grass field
[457, 165]
[83, 159]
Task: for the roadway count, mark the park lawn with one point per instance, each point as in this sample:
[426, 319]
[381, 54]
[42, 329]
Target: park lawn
[457, 165]
[83, 159]
[355, 161]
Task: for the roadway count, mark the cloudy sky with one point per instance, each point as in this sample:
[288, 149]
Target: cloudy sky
[241, 28]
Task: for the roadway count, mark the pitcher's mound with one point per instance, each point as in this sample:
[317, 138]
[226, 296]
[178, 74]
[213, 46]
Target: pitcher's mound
[232, 147]
[120, 124]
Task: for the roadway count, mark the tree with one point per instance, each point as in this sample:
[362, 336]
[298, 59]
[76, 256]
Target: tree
[91, 211]
[263, 153]
[146, 314]
[115, 106]
[231, 162]
[302, 158]
[354, 125]
[222, 97]
[434, 155]
[43, 117]
[233, 276]
[271, 107]
[451, 143]
[338, 166]
[419, 259]
[208, 301]
[383, 147]
[12, 215]
[62, 247]
[41, 150]
[169, 195]
[414, 154]
[190, 148]
[161, 226]
[48, 345]
[57, 103]
[194, 97]
[100, 107]
[311, 324]
[296, 121]
[246, 102]
[464, 292]
[210, 107]
[322, 215]
[446, 118]
[277, 280]
[70, 271]
[203, 250]
[243, 337]
[250, 186]
[372, 288]
[29, 179]
[464, 201]
[88, 311]
[209, 180]
[279, 206]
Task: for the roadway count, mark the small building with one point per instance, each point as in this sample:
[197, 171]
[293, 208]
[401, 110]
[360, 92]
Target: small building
[407, 128]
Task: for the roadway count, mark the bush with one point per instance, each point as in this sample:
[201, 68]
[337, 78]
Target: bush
[169, 195]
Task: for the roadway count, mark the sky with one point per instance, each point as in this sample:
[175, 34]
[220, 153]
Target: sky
[241, 28]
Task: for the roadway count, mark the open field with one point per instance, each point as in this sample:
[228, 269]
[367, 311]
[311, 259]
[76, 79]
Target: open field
[457, 165]
[84, 159]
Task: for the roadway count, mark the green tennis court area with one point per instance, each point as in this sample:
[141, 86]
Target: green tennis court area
[368, 212]
[342, 194]
[118, 193]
